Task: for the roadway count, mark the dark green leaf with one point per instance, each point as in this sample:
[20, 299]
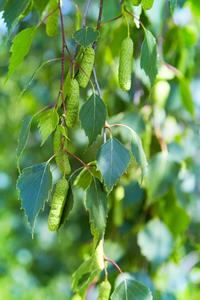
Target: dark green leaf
[86, 36]
[92, 117]
[40, 5]
[34, 185]
[47, 123]
[148, 60]
[23, 136]
[186, 96]
[96, 204]
[12, 11]
[130, 289]
[20, 48]
[112, 161]
[155, 241]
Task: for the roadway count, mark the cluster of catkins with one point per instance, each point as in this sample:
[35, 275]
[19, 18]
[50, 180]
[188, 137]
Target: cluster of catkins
[72, 103]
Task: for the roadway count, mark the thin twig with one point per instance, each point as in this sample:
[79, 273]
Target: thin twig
[87, 6]
[76, 157]
[62, 59]
[113, 263]
[47, 16]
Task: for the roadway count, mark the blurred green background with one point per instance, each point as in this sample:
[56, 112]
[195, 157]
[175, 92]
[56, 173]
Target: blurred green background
[157, 242]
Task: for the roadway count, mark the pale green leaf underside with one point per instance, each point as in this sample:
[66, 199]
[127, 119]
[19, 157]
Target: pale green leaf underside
[113, 159]
[155, 241]
[130, 289]
[34, 185]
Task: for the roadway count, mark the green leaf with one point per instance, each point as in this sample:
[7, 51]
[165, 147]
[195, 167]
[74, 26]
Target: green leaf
[138, 152]
[173, 5]
[84, 179]
[84, 275]
[164, 170]
[20, 48]
[23, 136]
[186, 95]
[40, 5]
[86, 36]
[47, 123]
[155, 241]
[92, 117]
[96, 204]
[148, 59]
[12, 11]
[130, 289]
[112, 161]
[69, 202]
[34, 185]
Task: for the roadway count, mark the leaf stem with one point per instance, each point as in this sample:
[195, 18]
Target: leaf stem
[110, 260]
[76, 157]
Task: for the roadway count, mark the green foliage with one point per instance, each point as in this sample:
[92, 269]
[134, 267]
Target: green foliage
[93, 117]
[147, 4]
[113, 159]
[109, 217]
[164, 170]
[20, 48]
[96, 204]
[34, 185]
[13, 10]
[149, 56]
[130, 289]
[155, 241]
[23, 136]
[86, 36]
[52, 21]
[47, 123]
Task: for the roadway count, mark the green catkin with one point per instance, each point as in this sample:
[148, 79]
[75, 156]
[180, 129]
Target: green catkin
[61, 157]
[125, 64]
[104, 290]
[136, 2]
[147, 4]
[57, 204]
[86, 67]
[72, 104]
[52, 20]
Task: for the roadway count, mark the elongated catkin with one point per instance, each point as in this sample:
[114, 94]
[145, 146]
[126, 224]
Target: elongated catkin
[61, 157]
[125, 64]
[86, 67]
[104, 290]
[72, 103]
[57, 204]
